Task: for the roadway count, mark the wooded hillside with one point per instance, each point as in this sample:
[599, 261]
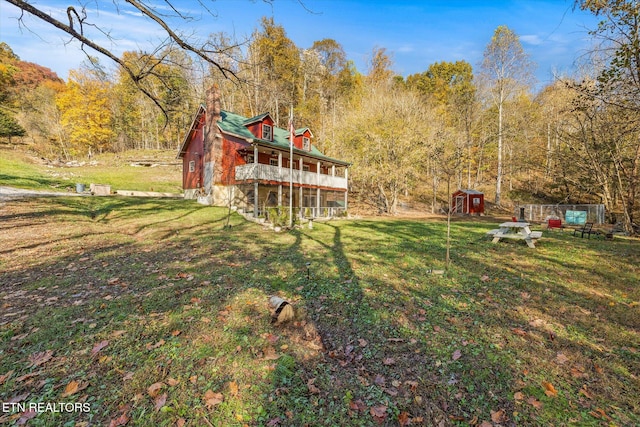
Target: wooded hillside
[409, 139]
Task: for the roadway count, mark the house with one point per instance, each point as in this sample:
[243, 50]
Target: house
[470, 202]
[245, 162]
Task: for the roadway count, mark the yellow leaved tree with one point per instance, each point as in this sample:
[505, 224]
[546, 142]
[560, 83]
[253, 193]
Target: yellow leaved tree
[86, 114]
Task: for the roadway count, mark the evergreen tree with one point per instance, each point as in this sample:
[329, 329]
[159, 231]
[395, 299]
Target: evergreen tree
[9, 127]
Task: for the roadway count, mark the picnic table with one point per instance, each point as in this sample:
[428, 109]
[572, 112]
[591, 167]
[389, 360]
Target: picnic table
[515, 230]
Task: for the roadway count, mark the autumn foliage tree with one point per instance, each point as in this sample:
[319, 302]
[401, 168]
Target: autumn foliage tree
[85, 113]
[506, 70]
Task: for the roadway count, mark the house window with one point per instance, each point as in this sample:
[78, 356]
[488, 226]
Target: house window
[267, 132]
[250, 158]
[476, 201]
[273, 162]
[192, 166]
[306, 144]
[305, 168]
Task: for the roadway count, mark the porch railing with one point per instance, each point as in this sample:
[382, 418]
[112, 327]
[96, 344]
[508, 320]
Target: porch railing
[274, 173]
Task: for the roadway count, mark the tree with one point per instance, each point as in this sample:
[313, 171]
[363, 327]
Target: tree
[618, 85]
[85, 112]
[385, 135]
[450, 86]
[9, 127]
[277, 59]
[84, 26]
[619, 36]
[7, 70]
[506, 70]
[380, 72]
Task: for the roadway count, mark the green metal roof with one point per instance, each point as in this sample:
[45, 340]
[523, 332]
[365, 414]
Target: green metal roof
[235, 124]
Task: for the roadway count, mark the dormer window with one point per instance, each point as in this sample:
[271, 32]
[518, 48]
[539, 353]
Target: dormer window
[306, 144]
[267, 132]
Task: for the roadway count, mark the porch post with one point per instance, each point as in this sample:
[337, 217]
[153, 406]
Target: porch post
[346, 192]
[255, 182]
[318, 192]
[280, 178]
[301, 191]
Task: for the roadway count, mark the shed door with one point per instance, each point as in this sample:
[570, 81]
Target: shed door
[459, 206]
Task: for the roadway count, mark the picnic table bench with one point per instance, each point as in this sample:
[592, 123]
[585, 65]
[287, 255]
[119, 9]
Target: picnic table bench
[515, 230]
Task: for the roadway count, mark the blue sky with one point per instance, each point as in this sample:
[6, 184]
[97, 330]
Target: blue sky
[415, 33]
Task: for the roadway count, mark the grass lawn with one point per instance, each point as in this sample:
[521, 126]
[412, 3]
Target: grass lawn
[20, 170]
[150, 312]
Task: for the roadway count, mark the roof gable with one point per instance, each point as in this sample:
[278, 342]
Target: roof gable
[258, 118]
[236, 125]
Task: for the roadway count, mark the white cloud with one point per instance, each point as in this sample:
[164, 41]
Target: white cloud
[532, 39]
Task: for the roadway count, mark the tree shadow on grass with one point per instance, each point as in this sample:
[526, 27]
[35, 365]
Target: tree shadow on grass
[185, 301]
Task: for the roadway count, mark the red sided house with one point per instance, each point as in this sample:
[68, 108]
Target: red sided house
[228, 158]
[470, 202]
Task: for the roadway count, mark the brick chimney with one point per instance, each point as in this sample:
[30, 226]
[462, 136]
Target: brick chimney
[212, 138]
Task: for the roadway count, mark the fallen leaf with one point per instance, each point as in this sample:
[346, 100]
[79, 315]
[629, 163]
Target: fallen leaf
[159, 401]
[233, 388]
[212, 399]
[486, 423]
[498, 416]
[272, 338]
[357, 405]
[599, 413]
[403, 419]
[154, 389]
[389, 361]
[26, 416]
[549, 389]
[27, 376]
[379, 380]
[176, 333]
[561, 359]
[518, 395]
[584, 392]
[534, 402]
[597, 368]
[40, 358]
[172, 382]
[128, 376]
[270, 354]
[150, 346]
[73, 387]
[519, 331]
[18, 398]
[578, 372]
[96, 348]
[378, 411]
[312, 388]
[456, 355]
[181, 422]
[122, 420]
[6, 376]
[362, 342]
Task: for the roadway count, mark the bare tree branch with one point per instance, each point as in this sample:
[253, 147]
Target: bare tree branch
[78, 21]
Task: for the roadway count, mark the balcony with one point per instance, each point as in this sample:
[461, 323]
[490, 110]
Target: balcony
[264, 172]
